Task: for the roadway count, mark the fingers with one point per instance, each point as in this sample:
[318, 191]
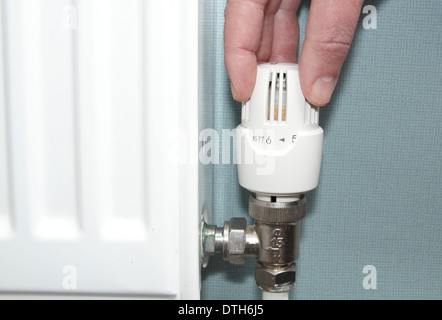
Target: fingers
[258, 31]
[286, 32]
[264, 51]
[242, 34]
[329, 33]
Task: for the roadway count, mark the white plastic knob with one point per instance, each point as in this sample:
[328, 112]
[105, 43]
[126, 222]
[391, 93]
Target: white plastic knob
[279, 141]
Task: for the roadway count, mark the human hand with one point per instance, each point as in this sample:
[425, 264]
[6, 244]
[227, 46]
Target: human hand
[258, 31]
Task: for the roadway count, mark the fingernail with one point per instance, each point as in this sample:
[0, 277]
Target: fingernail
[322, 90]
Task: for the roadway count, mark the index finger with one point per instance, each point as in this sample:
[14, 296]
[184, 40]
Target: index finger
[242, 34]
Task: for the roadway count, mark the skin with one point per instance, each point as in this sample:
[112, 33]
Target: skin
[258, 31]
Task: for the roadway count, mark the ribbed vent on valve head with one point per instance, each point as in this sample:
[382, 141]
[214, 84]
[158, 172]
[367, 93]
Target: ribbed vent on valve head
[245, 111]
[311, 114]
[277, 97]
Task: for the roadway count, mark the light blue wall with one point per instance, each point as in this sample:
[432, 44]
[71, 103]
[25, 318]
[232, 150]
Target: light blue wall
[379, 199]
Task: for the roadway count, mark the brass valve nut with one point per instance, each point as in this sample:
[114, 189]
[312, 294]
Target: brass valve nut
[234, 245]
[275, 280]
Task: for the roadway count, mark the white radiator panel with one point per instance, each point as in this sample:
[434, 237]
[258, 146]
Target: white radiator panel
[5, 209]
[89, 202]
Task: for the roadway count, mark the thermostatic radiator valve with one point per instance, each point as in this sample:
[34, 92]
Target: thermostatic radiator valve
[279, 147]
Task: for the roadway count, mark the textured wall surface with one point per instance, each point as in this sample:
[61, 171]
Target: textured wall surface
[379, 197]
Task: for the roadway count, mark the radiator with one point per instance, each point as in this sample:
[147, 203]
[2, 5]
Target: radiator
[98, 99]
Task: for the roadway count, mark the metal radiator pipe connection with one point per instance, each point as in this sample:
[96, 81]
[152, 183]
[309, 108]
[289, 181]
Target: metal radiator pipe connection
[273, 240]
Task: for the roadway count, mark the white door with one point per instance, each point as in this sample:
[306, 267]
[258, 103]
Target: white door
[95, 97]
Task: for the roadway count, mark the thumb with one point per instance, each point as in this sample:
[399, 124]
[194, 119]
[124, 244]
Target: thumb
[330, 29]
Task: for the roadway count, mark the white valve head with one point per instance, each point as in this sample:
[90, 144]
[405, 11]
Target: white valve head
[279, 141]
